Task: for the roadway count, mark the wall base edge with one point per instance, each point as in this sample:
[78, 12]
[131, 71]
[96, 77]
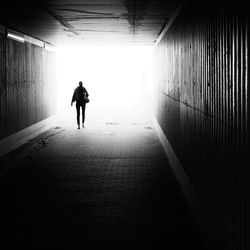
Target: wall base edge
[11, 142]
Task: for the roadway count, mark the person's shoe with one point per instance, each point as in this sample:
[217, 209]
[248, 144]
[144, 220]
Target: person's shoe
[78, 126]
[83, 125]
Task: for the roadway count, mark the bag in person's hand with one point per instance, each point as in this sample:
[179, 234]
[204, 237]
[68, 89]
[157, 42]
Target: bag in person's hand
[85, 98]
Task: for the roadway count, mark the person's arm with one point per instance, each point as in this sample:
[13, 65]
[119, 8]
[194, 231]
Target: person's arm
[87, 94]
[73, 98]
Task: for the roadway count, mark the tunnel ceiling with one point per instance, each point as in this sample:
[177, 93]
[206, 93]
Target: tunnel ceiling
[78, 22]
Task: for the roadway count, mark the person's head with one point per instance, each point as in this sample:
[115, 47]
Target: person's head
[80, 83]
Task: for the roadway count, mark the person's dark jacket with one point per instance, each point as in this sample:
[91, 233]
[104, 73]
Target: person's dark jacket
[78, 95]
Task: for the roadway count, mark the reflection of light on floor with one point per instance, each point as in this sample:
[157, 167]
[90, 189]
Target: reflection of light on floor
[137, 113]
[117, 79]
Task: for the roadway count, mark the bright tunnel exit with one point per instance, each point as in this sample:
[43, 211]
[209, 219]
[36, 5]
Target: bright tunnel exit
[118, 80]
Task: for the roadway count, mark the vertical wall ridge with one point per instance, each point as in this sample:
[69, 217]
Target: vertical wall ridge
[202, 106]
[27, 82]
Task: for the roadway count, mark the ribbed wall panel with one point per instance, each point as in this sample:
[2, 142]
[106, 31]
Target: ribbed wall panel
[27, 85]
[202, 96]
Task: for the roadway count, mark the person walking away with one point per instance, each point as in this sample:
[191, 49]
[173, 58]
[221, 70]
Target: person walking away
[80, 93]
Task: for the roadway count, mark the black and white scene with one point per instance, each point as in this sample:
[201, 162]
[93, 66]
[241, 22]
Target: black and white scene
[124, 125]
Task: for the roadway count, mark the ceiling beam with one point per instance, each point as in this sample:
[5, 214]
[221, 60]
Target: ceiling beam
[62, 21]
[170, 22]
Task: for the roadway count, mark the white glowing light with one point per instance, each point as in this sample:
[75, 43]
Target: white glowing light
[117, 79]
[15, 37]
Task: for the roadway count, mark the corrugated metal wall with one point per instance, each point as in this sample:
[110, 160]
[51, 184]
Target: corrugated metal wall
[27, 84]
[202, 96]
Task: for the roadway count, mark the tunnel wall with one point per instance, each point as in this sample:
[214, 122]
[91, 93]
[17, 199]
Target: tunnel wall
[202, 106]
[27, 83]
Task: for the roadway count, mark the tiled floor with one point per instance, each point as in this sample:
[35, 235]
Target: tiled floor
[106, 186]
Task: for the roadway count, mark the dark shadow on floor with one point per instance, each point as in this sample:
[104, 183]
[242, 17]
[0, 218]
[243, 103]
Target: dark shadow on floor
[88, 201]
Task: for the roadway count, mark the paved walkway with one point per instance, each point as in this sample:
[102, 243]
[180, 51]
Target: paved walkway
[106, 186]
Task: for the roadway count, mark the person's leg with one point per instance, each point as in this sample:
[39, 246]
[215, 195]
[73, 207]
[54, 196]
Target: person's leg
[78, 114]
[83, 113]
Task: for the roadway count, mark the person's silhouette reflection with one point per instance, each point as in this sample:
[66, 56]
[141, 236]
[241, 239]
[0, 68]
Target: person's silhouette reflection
[79, 97]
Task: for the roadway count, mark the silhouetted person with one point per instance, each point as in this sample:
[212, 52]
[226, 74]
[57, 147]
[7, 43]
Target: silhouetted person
[79, 96]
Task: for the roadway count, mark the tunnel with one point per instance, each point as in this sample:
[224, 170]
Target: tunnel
[167, 168]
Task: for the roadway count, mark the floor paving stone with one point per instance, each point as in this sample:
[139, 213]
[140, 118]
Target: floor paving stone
[106, 186]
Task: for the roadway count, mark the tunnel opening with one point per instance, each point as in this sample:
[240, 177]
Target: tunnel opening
[118, 79]
[199, 93]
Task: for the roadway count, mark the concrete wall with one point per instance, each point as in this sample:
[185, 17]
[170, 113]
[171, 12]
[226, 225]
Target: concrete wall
[202, 107]
[27, 84]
